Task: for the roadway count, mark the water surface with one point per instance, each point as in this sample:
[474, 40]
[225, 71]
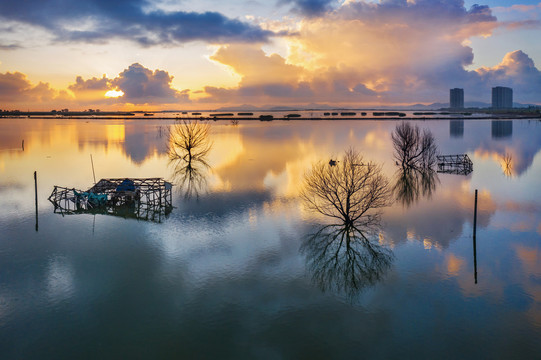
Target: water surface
[228, 274]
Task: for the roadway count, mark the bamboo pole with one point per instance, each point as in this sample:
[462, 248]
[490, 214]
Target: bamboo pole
[93, 173]
[36, 195]
[474, 238]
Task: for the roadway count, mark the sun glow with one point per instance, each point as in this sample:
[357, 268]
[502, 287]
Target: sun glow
[114, 93]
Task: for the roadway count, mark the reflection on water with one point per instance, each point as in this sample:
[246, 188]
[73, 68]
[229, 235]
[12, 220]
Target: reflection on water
[415, 155]
[223, 277]
[346, 258]
[345, 255]
[502, 129]
[189, 146]
[456, 128]
[412, 184]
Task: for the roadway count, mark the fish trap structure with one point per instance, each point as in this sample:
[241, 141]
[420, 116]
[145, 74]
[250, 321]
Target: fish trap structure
[454, 164]
[147, 199]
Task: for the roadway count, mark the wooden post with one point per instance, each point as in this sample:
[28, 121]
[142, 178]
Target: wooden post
[93, 173]
[474, 238]
[22, 145]
[36, 194]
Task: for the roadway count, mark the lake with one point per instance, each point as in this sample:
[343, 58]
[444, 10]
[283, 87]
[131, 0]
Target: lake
[237, 268]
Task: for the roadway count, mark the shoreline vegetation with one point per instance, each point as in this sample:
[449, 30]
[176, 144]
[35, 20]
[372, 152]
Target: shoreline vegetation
[266, 115]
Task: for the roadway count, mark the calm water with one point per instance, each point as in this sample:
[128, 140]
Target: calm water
[231, 272]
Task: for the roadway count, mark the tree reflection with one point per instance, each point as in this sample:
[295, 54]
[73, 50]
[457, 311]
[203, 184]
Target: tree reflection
[412, 184]
[415, 154]
[188, 148]
[346, 258]
[346, 255]
[507, 164]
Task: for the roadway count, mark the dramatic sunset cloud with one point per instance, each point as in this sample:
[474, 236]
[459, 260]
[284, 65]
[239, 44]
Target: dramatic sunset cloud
[345, 53]
[16, 88]
[141, 85]
[390, 52]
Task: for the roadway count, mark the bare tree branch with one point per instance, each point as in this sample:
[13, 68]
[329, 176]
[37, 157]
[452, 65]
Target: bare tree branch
[346, 191]
[413, 149]
[188, 148]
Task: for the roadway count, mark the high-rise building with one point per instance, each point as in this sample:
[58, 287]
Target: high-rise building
[457, 98]
[502, 97]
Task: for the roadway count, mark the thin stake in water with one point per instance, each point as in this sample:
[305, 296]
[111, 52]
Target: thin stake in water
[36, 192]
[474, 238]
[93, 173]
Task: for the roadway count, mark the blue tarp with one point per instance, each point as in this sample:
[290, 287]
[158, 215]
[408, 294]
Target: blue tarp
[126, 185]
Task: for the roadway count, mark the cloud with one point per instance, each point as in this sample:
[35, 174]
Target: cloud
[144, 86]
[271, 78]
[140, 85]
[16, 88]
[135, 20]
[518, 71]
[310, 7]
[391, 52]
[93, 84]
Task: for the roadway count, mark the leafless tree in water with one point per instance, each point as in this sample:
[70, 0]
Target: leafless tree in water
[348, 190]
[188, 147]
[345, 254]
[415, 154]
[413, 148]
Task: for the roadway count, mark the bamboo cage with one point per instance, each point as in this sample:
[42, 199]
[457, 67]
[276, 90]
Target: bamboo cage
[145, 199]
[454, 164]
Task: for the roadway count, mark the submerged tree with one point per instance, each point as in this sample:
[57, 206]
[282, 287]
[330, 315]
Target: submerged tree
[188, 148]
[415, 154]
[413, 148]
[346, 191]
[345, 254]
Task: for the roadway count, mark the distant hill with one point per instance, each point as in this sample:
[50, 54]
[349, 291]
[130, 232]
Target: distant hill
[239, 107]
[314, 106]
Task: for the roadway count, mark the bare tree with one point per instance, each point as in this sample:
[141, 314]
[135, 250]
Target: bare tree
[188, 148]
[415, 154]
[345, 255]
[348, 190]
[189, 140]
[413, 148]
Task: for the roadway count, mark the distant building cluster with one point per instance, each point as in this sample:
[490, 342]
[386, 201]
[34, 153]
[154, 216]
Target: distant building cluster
[502, 98]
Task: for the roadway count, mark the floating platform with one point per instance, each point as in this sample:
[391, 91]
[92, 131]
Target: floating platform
[144, 199]
[454, 164]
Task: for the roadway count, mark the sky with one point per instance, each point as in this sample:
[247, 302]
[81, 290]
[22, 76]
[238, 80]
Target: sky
[207, 54]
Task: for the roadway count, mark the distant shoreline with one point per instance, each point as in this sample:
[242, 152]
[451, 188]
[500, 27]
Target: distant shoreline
[208, 116]
[322, 118]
